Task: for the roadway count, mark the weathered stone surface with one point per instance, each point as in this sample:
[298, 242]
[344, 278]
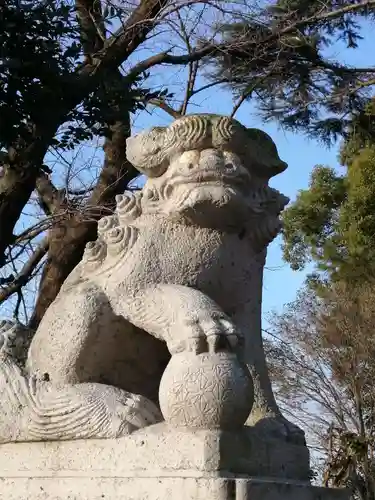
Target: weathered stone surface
[206, 391]
[155, 464]
[160, 451]
[159, 463]
[171, 488]
[182, 260]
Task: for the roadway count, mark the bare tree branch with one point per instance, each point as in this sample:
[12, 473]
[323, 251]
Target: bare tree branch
[118, 48]
[248, 93]
[167, 58]
[89, 14]
[26, 272]
[193, 66]
[50, 198]
[325, 15]
[165, 107]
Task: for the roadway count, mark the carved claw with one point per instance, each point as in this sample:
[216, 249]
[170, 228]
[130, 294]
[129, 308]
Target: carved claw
[209, 334]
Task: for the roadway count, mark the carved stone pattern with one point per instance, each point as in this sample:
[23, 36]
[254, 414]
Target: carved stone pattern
[150, 151]
[183, 262]
[206, 391]
[34, 410]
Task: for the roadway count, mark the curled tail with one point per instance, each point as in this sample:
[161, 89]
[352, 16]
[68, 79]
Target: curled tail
[33, 410]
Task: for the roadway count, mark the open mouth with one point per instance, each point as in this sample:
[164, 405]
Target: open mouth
[213, 177]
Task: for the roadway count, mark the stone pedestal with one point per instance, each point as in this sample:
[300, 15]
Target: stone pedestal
[76, 487]
[183, 261]
[159, 463]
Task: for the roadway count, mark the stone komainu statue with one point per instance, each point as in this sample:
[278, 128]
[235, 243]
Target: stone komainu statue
[179, 262]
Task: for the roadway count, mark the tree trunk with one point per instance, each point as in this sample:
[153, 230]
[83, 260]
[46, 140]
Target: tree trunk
[67, 243]
[18, 181]
[16, 185]
[69, 237]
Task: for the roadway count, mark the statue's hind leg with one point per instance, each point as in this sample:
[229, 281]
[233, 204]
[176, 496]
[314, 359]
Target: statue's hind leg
[69, 325]
[37, 410]
[265, 415]
[50, 401]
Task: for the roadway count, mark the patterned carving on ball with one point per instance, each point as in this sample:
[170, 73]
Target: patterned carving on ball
[207, 391]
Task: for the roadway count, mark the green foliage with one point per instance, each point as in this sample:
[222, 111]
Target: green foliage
[279, 58]
[110, 102]
[361, 133]
[332, 223]
[311, 229]
[357, 216]
[41, 51]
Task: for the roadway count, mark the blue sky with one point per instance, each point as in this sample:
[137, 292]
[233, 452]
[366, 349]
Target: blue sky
[301, 154]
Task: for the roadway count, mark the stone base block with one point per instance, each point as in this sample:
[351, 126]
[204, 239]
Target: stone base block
[158, 451]
[159, 463]
[78, 487]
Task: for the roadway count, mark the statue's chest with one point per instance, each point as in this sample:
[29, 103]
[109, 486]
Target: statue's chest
[219, 264]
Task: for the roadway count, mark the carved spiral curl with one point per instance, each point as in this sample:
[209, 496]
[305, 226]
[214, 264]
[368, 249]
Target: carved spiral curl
[95, 250]
[187, 132]
[127, 207]
[107, 223]
[151, 151]
[94, 255]
[120, 239]
[225, 128]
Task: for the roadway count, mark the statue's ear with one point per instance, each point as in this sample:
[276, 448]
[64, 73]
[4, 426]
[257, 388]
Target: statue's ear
[147, 152]
[263, 153]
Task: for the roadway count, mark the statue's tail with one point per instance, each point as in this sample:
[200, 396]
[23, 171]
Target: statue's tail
[34, 410]
[86, 411]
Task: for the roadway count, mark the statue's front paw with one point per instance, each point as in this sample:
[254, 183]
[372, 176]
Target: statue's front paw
[208, 333]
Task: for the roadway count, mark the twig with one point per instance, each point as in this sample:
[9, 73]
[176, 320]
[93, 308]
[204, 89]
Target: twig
[248, 93]
[165, 107]
[209, 85]
[193, 67]
[26, 272]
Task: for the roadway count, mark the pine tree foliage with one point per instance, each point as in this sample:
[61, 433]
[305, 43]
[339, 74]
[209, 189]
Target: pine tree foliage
[282, 64]
[332, 222]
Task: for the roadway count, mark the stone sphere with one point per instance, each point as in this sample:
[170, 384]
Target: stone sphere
[206, 391]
